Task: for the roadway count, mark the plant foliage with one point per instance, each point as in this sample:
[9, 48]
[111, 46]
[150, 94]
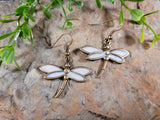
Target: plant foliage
[24, 12]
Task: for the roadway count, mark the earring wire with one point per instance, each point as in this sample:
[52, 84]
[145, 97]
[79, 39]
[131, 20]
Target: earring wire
[102, 22]
[67, 44]
[113, 31]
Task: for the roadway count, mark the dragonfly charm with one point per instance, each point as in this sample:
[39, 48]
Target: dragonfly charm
[55, 72]
[116, 55]
[68, 72]
[106, 54]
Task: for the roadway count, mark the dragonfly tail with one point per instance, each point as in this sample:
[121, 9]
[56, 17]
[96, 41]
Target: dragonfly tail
[61, 88]
[102, 69]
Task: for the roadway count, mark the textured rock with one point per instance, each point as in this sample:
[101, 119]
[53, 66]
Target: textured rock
[130, 91]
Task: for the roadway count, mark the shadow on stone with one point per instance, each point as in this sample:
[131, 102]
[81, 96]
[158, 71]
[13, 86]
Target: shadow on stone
[130, 39]
[146, 44]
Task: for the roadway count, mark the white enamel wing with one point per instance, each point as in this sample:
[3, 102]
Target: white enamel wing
[54, 72]
[116, 55]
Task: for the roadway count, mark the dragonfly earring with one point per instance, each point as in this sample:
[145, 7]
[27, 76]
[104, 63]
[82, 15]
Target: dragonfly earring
[66, 72]
[105, 53]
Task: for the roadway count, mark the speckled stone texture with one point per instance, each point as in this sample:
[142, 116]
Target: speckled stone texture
[130, 91]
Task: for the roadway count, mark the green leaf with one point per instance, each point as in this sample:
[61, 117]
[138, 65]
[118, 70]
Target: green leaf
[1, 48]
[136, 14]
[142, 34]
[1, 51]
[111, 1]
[6, 35]
[30, 1]
[0, 62]
[11, 38]
[15, 54]
[26, 30]
[78, 3]
[156, 38]
[5, 53]
[9, 15]
[27, 15]
[32, 9]
[31, 36]
[56, 4]
[152, 13]
[69, 25]
[70, 8]
[121, 19]
[20, 9]
[46, 12]
[8, 55]
[21, 34]
[7, 21]
[17, 64]
[99, 4]
[135, 0]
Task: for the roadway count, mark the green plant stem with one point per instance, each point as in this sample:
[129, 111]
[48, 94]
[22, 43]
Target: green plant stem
[50, 4]
[34, 6]
[11, 39]
[17, 64]
[2, 47]
[63, 9]
[70, 2]
[73, 19]
[17, 35]
[122, 2]
[0, 62]
[151, 12]
[64, 25]
[149, 27]
[19, 21]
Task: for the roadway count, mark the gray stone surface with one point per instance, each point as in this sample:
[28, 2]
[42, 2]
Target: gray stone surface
[130, 91]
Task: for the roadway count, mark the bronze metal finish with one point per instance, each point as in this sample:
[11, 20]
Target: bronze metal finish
[106, 49]
[68, 67]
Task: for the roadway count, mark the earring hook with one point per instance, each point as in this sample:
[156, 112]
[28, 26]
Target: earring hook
[113, 31]
[106, 41]
[67, 44]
